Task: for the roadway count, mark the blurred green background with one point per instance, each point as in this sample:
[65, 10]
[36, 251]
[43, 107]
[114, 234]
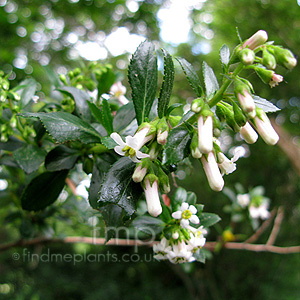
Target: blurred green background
[40, 38]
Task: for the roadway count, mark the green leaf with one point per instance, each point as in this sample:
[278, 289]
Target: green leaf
[191, 76]
[65, 127]
[167, 85]
[101, 166]
[209, 219]
[96, 112]
[172, 107]
[265, 105]
[105, 80]
[165, 216]
[149, 225]
[224, 54]
[177, 146]
[124, 117]
[106, 116]
[191, 198]
[211, 83]
[61, 158]
[142, 75]
[118, 187]
[29, 157]
[43, 190]
[26, 90]
[178, 198]
[12, 144]
[108, 142]
[200, 256]
[81, 98]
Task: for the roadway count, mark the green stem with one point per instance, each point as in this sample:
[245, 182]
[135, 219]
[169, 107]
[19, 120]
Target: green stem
[219, 95]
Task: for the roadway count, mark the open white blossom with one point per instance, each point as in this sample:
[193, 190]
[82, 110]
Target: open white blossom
[227, 166]
[243, 200]
[186, 214]
[260, 211]
[132, 145]
[197, 239]
[162, 249]
[119, 90]
[180, 254]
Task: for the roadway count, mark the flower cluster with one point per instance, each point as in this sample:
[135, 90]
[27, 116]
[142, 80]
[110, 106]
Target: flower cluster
[185, 241]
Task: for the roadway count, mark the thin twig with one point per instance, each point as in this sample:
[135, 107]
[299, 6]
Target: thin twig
[174, 179]
[276, 226]
[262, 228]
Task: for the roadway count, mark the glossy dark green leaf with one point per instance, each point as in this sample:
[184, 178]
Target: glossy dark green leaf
[124, 117]
[211, 82]
[101, 166]
[178, 198]
[43, 190]
[165, 216]
[142, 75]
[265, 105]
[148, 225]
[107, 120]
[167, 85]
[26, 90]
[209, 219]
[105, 81]
[12, 144]
[224, 54]
[200, 256]
[61, 158]
[108, 142]
[191, 198]
[191, 76]
[177, 146]
[65, 127]
[172, 107]
[29, 157]
[118, 187]
[81, 98]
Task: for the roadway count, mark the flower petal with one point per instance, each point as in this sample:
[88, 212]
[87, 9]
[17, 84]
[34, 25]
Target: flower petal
[132, 142]
[177, 214]
[184, 223]
[117, 138]
[119, 150]
[140, 154]
[193, 209]
[184, 206]
[194, 219]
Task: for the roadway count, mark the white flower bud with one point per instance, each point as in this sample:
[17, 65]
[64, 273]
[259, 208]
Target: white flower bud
[205, 134]
[249, 134]
[256, 40]
[152, 198]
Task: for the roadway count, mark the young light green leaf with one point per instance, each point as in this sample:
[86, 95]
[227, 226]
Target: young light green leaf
[61, 158]
[96, 112]
[167, 85]
[29, 157]
[65, 127]
[43, 190]
[26, 90]
[118, 187]
[81, 98]
[142, 75]
[191, 76]
[107, 119]
[177, 146]
[224, 54]
[211, 82]
[265, 105]
[124, 117]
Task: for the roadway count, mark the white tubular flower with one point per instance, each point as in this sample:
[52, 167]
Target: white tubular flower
[246, 101]
[119, 90]
[196, 152]
[186, 214]
[226, 165]
[275, 80]
[132, 144]
[264, 128]
[197, 239]
[248, 133]
[212, 172]
[162, 137]
[260, 211]
[152, 198]
[205, 134]
[243, 200]
[162, 249]
[256, 40]
[139, 173]
[180, 254]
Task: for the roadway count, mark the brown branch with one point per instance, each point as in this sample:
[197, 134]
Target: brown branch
[262, 228]
[276, 226]
[255, 247]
